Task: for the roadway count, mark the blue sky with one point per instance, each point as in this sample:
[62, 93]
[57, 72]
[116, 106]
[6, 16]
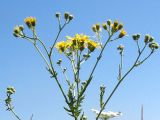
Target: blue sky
[37, 94]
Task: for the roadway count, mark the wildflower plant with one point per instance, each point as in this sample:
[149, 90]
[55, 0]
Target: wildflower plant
[78, 49]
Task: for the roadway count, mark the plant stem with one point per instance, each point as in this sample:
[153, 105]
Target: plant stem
[98, 59]
[119, 82]
[11, 109]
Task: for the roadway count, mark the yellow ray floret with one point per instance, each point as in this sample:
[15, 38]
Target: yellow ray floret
[30, 22]
[61, 46]
[78, 42]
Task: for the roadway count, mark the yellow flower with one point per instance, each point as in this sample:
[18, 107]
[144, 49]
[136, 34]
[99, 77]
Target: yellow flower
[77, 42]
[61, 46]
[30, 22]
[122, 33]
[92, 45]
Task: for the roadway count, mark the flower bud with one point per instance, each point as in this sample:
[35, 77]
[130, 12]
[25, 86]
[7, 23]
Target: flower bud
[151, 39]
[21, 27]
[11, 90]
[120, 26]
[136, 37]
[104, 25]
[66, 15]
[109, 22]
[115, 24]
[120, 47]
[64, 70]
[71, 17]
[97, 27]
[30, 22]
[153, 45]
[94, 28]
[102, 88]
[146, 38]
[58, 14]
[122, 33]
[59, 61]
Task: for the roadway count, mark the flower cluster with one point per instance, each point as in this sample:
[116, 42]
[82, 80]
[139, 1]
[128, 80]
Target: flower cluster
[148, 40]
[30, 22]
[111, 28]
[18, 30]
[10, 91]
[78, 42]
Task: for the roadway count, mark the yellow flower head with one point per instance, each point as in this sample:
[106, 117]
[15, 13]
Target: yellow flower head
[122, 33]
[61, 46]
[77, 42]
[92, 45]
[30, 22]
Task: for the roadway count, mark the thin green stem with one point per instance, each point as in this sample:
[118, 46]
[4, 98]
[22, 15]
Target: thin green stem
[65, 75]
[11, 109]
[60, 30]
[138, 46]
[41, 54]
[119, 82]
[98, 59]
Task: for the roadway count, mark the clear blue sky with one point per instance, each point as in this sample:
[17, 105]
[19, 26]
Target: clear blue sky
[22, 67]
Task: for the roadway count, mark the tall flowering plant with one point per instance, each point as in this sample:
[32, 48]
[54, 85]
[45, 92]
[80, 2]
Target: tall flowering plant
[77, 50]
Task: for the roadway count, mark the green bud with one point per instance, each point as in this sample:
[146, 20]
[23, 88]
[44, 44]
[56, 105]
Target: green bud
[115, 23]
[146, 38]
[120, 47]
[151, 39]
[71, 17]
[59, 61]
[64, 70]
[153, 45]
[58, 14]
[120, 26]
[66, 15]
[11, 90]
[109, 22]
[21, 27]
[136, 37]
[94, 28]
[97, 27]
[104, 25]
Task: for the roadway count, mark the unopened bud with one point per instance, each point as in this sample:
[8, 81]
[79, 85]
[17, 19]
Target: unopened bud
[109, 22]
[21, 27]
[104, 25]
[58, 14]
[71, 17]
[136, 37]
[153, 45]
[59, 61]
[64, 70]
[146, 38]
[120, 47]
[115, 24]
[120, 26]
[151, 39]
[66, 15]
[94, 28]
[97, 27]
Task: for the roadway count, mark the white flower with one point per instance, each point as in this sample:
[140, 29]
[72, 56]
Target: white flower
[107, 115]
